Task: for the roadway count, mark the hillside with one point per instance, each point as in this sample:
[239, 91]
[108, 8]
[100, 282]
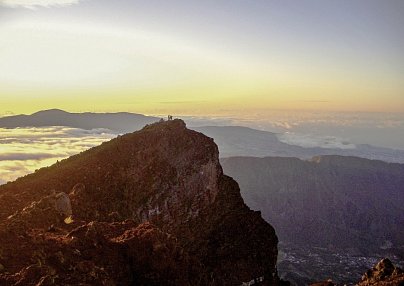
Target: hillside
[149, 208]
[329, 212]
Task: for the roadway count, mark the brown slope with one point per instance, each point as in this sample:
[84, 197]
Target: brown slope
[165, 175]
[384, 273]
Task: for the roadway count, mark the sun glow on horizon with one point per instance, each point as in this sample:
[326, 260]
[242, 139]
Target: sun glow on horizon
[80, 64]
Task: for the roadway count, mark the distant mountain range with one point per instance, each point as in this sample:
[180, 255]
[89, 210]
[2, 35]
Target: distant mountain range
[244, 141]
[232, 140]
[329, 205]
[122, 122]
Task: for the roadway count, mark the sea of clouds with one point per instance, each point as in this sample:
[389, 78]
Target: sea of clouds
[23, 150]
[322, 129]
[311, 140]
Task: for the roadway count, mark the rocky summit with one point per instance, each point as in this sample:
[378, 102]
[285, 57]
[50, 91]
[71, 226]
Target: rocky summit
[151, 207]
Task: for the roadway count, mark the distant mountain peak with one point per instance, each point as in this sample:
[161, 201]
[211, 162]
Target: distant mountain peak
[53, 111]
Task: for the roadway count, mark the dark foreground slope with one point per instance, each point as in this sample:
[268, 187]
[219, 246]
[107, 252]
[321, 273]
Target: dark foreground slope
[149, 208]
[332, 212]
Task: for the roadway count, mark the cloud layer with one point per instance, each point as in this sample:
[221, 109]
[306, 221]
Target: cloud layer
[310, 140]
[32, 4]
[23, 150]
[331, 129]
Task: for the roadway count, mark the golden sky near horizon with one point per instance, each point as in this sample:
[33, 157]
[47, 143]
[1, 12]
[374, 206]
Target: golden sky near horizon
[226, 59]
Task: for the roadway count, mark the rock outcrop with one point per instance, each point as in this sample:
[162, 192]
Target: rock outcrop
[383, 273]
[148, 208]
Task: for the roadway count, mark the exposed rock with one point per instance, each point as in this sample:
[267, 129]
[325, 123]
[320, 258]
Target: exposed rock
[155, 203]
[62, 204]
[108, 254]
[324, 283]
[384, 273]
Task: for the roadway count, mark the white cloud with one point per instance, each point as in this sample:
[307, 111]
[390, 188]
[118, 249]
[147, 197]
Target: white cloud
[310, 141]
[32, 4]
[23, 150]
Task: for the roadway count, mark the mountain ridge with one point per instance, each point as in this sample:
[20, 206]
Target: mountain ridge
[321, 175]
[118, 121]
[243, 141]
[232, 140]
[329, 206]
[165, 182]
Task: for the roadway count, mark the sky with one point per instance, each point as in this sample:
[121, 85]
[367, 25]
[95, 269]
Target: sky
[201, 57]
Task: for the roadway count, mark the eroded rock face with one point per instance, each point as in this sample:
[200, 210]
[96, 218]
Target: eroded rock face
[106, 254]
[383, 273]
[150, 208]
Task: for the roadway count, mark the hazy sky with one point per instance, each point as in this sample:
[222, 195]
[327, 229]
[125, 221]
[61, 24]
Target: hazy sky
[201, 57]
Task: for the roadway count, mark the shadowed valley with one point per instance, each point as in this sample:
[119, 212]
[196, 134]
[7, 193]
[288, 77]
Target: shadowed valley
[335, 216]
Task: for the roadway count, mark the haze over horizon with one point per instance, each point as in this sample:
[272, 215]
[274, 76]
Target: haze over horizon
[202, 58]
[39, 140]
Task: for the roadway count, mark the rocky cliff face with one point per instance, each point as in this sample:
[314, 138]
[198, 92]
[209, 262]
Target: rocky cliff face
[383, 273]
[148, 208]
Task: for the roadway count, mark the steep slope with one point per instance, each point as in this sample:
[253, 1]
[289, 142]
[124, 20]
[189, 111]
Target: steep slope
[148, 207]
[329, 212]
